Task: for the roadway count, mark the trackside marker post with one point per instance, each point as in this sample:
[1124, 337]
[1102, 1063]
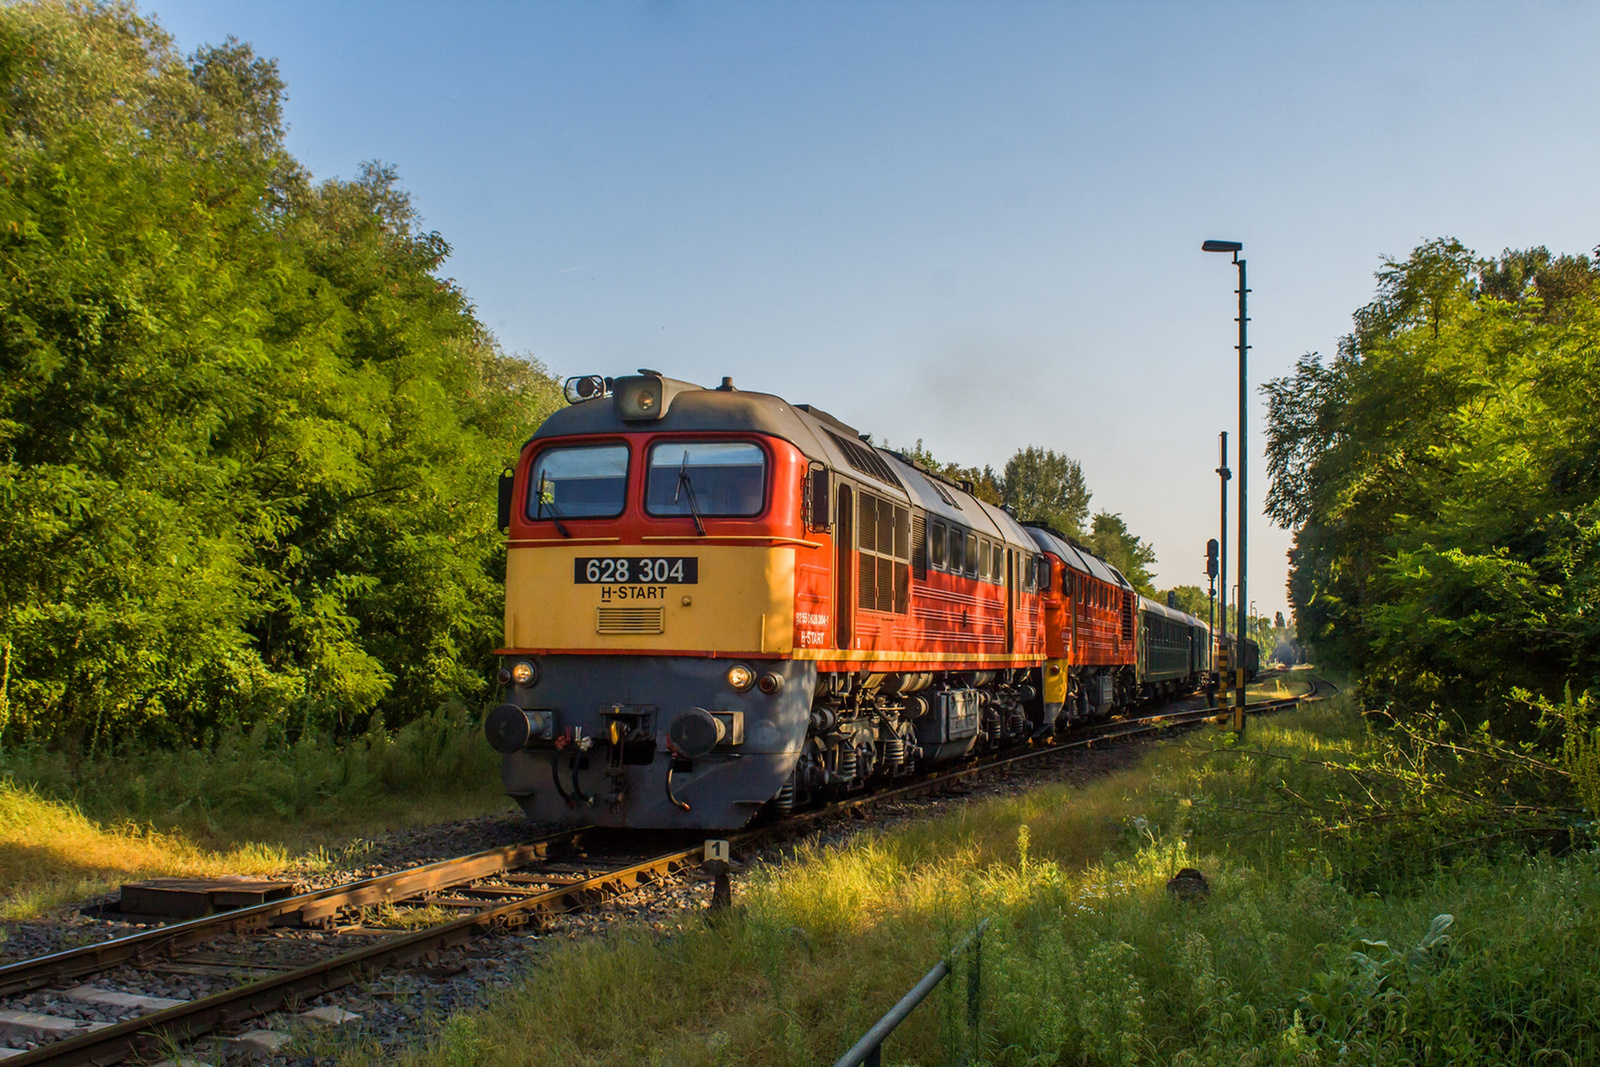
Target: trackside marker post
[716, 861]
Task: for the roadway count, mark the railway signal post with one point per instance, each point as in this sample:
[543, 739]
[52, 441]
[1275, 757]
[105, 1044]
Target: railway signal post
[1235, 247]
[1213, 551]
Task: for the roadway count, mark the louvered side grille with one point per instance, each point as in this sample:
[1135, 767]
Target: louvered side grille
[919, 546]
[884, 546]
[867, 585]
[630, 620]
[865, 459]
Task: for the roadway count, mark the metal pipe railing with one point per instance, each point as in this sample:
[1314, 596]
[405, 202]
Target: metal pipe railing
[868, 1051]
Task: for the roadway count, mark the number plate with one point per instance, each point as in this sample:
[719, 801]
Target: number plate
[638, 570]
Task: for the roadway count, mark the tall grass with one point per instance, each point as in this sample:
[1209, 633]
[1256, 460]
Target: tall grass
[250, 803]
[254, 784]
[1090, 960]
[51, 852]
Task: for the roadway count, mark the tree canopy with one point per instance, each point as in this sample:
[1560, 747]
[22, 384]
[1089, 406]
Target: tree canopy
[1442, 475]
[246, 426]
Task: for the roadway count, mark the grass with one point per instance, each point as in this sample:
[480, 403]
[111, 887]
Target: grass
[250, 805]
[1090, 960]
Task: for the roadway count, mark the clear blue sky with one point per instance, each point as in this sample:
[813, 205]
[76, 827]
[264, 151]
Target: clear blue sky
[977, 224]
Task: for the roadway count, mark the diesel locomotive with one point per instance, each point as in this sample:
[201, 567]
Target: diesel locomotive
[718, 602]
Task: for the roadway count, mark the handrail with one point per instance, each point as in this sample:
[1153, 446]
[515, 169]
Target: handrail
[868, 1051]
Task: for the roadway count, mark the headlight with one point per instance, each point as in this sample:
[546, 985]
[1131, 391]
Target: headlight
[524, 672]
[638, 397]
[770, 683]
[740, 678]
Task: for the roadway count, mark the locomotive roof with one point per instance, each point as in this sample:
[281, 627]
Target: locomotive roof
[695, 408]
[1076, 556]
[944, 500]
[817, 434]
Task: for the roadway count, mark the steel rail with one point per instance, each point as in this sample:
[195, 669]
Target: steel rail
[310, 907]
[155, 1032]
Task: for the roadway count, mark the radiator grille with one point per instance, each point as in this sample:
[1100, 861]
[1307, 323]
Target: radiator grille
[630, 620]
[884, 555]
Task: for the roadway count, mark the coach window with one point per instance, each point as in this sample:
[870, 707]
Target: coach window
[936, 545]
[586, 482]
[958, 554]
[972, 555]
[706, 477]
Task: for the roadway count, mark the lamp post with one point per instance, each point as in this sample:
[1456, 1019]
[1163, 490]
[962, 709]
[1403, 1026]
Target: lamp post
[1243, 598]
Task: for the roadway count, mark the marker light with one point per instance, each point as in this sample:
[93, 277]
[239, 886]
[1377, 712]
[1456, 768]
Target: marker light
[524, 673]
[585, 387]
[740, 678]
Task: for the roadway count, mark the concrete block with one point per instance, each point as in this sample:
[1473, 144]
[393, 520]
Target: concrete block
[31, 1026]
[260, 1043]
[126, 1001]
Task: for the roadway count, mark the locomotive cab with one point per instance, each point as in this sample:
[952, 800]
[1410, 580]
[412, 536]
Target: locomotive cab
[650, 589]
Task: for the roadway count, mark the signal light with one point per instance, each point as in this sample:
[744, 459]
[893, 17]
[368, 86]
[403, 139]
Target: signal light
[1212, 549]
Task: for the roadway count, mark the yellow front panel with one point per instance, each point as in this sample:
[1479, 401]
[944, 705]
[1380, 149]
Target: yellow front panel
[1055, 681]
[743, 602]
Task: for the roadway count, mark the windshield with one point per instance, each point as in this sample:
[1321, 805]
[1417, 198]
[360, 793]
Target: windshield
[589, 482]
[708, 477]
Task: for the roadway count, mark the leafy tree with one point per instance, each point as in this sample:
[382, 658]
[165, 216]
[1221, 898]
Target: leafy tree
[1189, 598]
[1110, 539]
[246, 429]
[1047, 486]
[1442, 476]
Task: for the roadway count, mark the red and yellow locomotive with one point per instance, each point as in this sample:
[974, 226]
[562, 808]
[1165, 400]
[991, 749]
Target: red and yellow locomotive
[717, 601]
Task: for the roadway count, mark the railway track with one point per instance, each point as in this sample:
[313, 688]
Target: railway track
[496, 890]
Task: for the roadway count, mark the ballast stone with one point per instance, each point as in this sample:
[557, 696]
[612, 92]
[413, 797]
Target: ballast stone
[329, 1015]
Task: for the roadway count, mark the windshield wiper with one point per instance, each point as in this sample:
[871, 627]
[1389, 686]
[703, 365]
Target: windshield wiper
[685, 482]
[555, 514]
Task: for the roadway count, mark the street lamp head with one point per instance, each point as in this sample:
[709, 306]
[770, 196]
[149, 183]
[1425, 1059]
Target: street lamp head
[1222, 246]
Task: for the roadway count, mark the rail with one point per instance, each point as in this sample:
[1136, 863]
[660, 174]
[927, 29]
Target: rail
[148, 1034]
[868, 1052]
